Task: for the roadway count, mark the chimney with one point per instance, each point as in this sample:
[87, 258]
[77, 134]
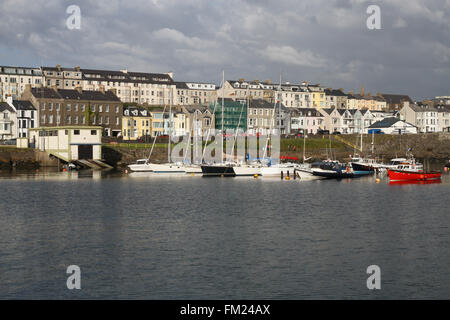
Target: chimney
[256, 81]
[268, 82]
[124, 71]
[341, 90]
[101, 89]
[170, 74]
[241, 80]
[77, 68]
[9, 100]
[79, 89]
[58, 67]
[113, 90]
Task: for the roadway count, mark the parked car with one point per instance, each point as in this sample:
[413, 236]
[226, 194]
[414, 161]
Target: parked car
[323, 131]
[336, 132]
[11, 142]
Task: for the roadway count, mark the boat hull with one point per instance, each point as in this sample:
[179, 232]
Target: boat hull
[218, 171]
[362, 167]
[403, 175]
[247, 171]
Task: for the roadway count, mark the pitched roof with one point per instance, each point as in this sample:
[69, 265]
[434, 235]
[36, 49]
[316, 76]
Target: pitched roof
[5, 107]
[335, 92]
[23, 105]
[131, 77]
[72, 94]
[385, 123]
[396, 98]
[261, 104]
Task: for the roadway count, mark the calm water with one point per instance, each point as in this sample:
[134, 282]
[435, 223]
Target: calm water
[233, 238]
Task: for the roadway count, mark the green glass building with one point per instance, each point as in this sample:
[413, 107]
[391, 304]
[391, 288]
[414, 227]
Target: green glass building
[234, 114]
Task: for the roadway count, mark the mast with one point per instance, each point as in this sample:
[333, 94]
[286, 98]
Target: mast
[170, 124]
[304, 146]
[223, 99]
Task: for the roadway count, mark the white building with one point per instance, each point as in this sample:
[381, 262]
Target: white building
[392, 126]
[69, 143]
[26, 117]
[424, 117]
[195, 93]
[14, 79]
[7, 121]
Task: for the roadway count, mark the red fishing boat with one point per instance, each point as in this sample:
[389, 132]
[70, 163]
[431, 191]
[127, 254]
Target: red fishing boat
[404, 175]
[412, 171]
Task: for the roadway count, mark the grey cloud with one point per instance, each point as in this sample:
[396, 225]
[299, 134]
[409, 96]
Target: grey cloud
[322, 41]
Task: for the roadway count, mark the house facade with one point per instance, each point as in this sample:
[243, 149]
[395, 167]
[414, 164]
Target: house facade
[14, 79]
[65, 107]
[69, 142]
[8, 121]
[306, 120]
[392, 126]
[195, 93]
[136, 123]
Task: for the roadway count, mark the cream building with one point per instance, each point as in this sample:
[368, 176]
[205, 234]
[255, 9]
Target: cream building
[195, 93]
[14, 79]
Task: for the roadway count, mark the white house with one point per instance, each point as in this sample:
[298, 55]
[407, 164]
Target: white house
[26, 115]
[306, 120]
[392, 126]
[7, 121]
[70, 142]
[425, 117]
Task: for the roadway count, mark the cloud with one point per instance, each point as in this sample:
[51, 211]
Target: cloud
[291, 56]
[324, 41]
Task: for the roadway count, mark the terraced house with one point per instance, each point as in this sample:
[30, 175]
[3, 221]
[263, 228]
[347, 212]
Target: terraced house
[65, 107]
[195, 93]
[14, 79]
[136, 123]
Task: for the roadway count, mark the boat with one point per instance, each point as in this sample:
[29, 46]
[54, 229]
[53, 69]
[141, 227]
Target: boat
[335, 170]
[365, 164]
[249, 170]
[412, 171]
[144, 165]
[218, 170]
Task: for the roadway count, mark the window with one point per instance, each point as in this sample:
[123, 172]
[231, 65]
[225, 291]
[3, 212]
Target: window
[117, 109]
[107, 108]
[83, 120]
[50, 106]
[100, 108]
[69, 107]
[83, 108]
[76, 132]
[93, 132]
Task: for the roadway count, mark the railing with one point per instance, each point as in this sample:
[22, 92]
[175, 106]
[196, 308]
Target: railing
[354, 146]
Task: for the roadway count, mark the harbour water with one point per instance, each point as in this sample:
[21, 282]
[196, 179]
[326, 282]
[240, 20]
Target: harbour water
[159, 237]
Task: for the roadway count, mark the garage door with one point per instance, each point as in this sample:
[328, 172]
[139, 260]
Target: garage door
[85, 152]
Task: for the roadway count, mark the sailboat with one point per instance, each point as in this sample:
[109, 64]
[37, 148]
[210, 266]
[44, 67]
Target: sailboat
[279, 168]
[219, 169]
[144, 165]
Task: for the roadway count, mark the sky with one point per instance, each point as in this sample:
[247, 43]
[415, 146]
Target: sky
[320, 41]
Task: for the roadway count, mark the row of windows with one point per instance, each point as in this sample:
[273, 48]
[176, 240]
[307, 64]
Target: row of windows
[77, 120]
[21, 80]
[76, 107]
